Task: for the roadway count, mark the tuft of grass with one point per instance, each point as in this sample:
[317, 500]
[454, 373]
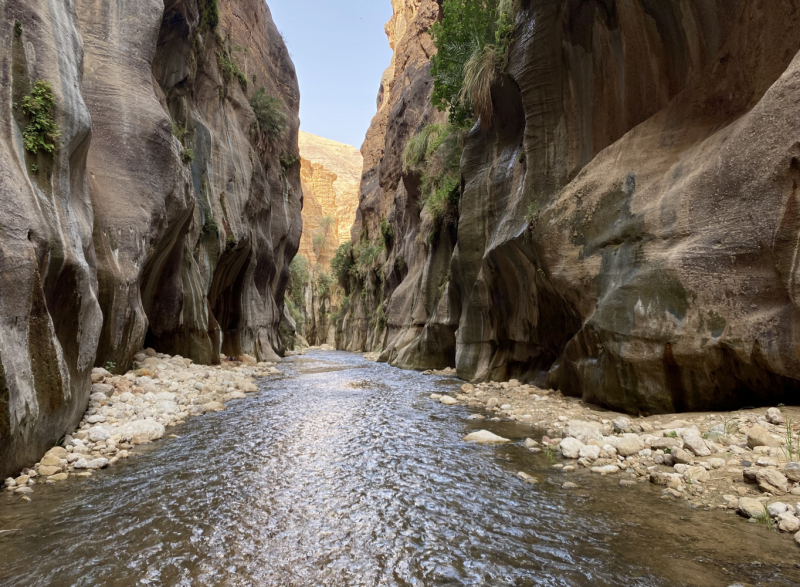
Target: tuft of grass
[550, 453]
[110, 366]
[480, 72]
[271, 117]
[209, 15]
[42, 131]
[766, 518]
[230, 69]
[178, 131]
[187, 155]
[792, 448]
[17, 28]
[532, 214]
[419, 147]
[387, 232]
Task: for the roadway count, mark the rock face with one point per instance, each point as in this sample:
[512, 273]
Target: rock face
[652, 147]
[164, 216]
[330, 175]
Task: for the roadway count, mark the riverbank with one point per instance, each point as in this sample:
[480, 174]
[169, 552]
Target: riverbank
[743, 462]
[137, 408]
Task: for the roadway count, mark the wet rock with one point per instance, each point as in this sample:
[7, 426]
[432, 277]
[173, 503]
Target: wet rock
[758, 436]
[476, 417]
[583, 431]
[485, 437]
[606, 470]
[569, 485]
[527, 478]
[59, 477]
[23, 490]
[214, 407]
[530, 443]
[571, 448]
[448, 401]
[773, 481]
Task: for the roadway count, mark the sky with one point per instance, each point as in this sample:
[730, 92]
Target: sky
[340, 51]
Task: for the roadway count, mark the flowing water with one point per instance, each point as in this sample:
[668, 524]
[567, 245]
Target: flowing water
[343, 473]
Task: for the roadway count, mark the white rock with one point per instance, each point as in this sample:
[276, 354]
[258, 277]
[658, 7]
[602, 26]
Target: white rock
[168, 407]
[141, 431]
[629, 446]
[788, 522]
[696, 445]
[777, 508]
[571, 448]
[485, 437]
[774, 416]
[96, 419]
[590, 451]
[716, 463]
[606, 470]
[448, 401]
[98, 433]
[583, 431]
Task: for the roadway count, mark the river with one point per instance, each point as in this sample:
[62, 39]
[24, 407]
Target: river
[343, 473]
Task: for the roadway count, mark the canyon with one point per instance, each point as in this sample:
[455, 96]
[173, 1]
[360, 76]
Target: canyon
[626, 224]
[167, 210]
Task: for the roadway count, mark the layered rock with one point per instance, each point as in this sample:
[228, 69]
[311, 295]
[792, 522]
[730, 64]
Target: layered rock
[331, 176]
[163, 217]
[627, 224]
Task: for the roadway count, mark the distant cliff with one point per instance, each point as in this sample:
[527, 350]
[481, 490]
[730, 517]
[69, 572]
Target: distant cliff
[626, 223]
[166, 214]
[330, 175]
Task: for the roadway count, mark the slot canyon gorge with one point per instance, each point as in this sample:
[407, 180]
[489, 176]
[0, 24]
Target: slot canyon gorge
[539, 330]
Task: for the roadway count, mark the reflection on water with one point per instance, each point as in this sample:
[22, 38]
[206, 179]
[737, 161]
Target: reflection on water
[344, 474]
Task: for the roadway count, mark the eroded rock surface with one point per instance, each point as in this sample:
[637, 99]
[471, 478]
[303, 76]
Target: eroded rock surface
[163, 216]
[652, 148]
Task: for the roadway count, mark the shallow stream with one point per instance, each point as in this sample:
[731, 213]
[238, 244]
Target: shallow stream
[343, 473]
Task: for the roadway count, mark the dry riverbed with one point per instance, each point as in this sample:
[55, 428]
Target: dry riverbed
[137, 408]
[745, 462]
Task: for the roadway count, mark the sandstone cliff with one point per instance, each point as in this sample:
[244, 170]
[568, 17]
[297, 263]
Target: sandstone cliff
[330, 176]
[164, 217]
[627, 224]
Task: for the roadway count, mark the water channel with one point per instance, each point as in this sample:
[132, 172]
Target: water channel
[343, 473]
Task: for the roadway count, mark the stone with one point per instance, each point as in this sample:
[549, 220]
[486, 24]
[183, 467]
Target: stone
[46, 471]
[23, 490]
[98, 463]
[628, 446]
[98, 433]
[777, 508]
[606, 470]
[485, 437]
[788, 522]
[569, 485]
[716, 463]
[527, 478]
[792, 472]
[752, 508]
[530, 443]
[590, 452]
[774, 416]
[96, 419]
[681, 456]
[583, 431]
[214, 407]
[57, 451]
[666, 442]
[797, 539]
[102, 388]
[772, 481]
[49, 460]
[696, 474]
[766, 462]
[622, 424]
[571, 448]
[250, 360]
[141, 431]
[758, 436]
[476, 417]
[168, 407]
[59, 477]
[696, 445]
[448, 401]
[492, 402]
[22, 480]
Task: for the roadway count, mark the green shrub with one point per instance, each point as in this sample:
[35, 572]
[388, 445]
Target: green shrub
[270, 115]
[178, 131]
[387, 232]
[17, 28]
[466, 30]
[324, 284]
[187, 155]
[298, 277]
[436, 152]
[366, 255]
[230, 69]
[342, 262]
[209, 15]
[480, 71]
[532, 213]
[42, 131]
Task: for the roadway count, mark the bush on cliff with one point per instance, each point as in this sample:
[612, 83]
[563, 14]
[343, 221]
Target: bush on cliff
[270, 116]
[42, 131]
[472, 41]
[342, 263]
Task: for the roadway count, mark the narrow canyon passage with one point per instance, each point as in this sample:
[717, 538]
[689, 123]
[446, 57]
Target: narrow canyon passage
[345, 473]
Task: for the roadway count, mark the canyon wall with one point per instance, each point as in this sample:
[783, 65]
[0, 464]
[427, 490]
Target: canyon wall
[165, 217]
[628, 223]
[330, 176]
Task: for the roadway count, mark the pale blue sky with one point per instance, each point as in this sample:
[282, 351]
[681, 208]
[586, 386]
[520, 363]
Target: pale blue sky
[340, 51]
